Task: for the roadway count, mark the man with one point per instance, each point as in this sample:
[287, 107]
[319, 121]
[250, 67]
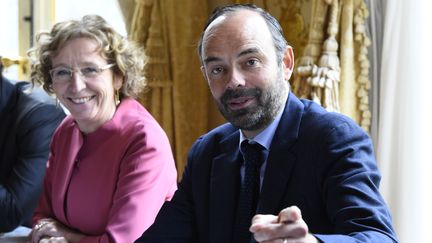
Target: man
[28, 118]
[319, 181]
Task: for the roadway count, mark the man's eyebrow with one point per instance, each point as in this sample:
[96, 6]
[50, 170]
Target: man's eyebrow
[248, 51]
[211, 59]
[242, 53]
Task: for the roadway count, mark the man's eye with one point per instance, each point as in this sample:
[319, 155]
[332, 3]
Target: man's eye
[89, 71]
[216, 70]
[252, 62]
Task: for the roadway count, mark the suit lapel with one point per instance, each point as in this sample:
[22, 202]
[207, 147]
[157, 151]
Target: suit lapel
[282, 158]
[224, 184]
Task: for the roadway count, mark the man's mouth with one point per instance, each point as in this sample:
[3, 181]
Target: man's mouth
[240, 102]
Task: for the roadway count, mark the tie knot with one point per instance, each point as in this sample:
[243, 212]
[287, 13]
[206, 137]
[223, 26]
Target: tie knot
[253, 153]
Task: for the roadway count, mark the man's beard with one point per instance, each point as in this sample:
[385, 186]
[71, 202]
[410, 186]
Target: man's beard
[268, 103]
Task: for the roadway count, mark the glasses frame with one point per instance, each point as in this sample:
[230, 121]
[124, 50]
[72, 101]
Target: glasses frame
[72, 71]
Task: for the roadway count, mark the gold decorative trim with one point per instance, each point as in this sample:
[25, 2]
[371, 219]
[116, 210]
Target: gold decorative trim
[20, 61]
[364, 84]
[320, 81]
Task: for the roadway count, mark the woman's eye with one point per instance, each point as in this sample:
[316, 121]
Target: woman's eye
[62, 73]
[89, 70]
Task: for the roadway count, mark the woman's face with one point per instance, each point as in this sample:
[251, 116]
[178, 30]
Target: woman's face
[84, 83]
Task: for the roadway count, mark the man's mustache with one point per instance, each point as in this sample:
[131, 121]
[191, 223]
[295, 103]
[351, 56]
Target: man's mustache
[237, 93]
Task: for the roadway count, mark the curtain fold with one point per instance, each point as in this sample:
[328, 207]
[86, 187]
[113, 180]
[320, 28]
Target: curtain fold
[127, 9]
[405, 130]
[177, 96]
[334, 68]
[375, 29]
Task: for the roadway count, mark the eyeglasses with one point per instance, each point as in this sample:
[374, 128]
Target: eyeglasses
[64, 74]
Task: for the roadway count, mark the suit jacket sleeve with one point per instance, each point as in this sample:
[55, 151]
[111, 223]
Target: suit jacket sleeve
[351, 188]
[20, 192]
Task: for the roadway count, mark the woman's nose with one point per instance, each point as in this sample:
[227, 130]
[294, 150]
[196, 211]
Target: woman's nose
[77, 82]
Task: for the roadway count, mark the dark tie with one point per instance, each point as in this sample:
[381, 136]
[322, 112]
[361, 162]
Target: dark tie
[249, 191]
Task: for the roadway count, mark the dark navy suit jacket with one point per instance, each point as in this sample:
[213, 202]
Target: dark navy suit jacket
[28, 118]
[320, 161]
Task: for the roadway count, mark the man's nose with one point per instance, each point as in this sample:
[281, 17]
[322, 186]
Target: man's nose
[236, 79]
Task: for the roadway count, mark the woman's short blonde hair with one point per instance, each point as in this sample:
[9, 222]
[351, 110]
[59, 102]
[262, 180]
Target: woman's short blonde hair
[129, 59]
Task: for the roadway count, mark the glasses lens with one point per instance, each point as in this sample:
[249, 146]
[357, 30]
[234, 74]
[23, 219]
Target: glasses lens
[61, 74]
[90, 72]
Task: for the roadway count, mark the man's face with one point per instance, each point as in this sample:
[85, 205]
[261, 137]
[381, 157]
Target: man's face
[240, 65]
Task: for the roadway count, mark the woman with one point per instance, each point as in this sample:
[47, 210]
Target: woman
[110, 168]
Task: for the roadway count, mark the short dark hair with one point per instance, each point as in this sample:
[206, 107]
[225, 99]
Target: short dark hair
[273, 25]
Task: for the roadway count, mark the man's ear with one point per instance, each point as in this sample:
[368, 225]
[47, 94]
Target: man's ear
[288, 62]
[204, 72]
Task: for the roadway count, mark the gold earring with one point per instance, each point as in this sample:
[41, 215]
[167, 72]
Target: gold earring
[117, 97]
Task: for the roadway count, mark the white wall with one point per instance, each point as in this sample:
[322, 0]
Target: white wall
[9, 32]
[108, 9]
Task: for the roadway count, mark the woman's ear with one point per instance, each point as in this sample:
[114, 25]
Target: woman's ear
[118, 82]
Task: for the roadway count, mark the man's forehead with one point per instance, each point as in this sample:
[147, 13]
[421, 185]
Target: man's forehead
[241, 29]
[240, 14]
[234, 22]
[215, 22]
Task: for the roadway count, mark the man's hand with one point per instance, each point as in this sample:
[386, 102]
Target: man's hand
[287, 227]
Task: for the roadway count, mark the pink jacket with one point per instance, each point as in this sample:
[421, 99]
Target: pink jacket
[109, 184]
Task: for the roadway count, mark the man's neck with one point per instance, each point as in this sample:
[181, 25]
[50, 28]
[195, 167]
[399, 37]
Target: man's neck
[252, 134]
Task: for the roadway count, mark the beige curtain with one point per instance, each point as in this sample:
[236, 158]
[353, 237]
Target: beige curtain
[334, 68]
[328, 39]
[405, 117]
[177, 96]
